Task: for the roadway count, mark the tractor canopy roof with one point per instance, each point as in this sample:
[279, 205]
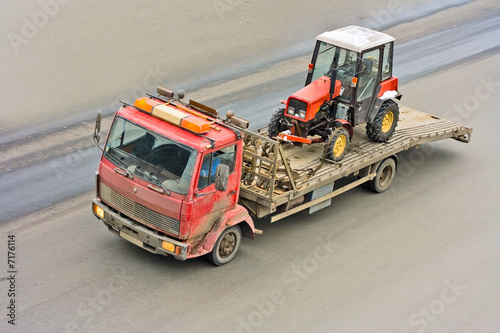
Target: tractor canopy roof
[355, 38]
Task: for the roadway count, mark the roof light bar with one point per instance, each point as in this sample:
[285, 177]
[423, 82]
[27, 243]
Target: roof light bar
[146, 104]
[180, 118]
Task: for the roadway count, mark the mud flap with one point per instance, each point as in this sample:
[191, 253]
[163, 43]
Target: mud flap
[320, 192]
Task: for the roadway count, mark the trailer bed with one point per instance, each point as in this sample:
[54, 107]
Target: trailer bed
[276, 176]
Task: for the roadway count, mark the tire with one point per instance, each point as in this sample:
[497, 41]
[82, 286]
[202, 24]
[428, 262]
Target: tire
[336, 145]
[385, 175]
[226, 246]
[385, 122]
[275, 127]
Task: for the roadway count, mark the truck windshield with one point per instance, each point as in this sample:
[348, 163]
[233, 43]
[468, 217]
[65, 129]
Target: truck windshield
[330, 57]
[150, 156]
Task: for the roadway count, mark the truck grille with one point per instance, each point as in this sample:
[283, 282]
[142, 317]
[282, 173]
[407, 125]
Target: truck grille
[137, 211]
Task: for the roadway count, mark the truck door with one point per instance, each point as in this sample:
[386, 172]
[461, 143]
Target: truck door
[210, 204]
[369, 79]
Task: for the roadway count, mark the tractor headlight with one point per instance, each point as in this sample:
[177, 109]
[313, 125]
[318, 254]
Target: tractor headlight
[302, 114]
[291, 111]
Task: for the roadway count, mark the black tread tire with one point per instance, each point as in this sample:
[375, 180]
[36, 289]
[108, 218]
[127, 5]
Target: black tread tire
[374, 130]
[215, 256]
[332, 141]
[385, 175]
[275, 127]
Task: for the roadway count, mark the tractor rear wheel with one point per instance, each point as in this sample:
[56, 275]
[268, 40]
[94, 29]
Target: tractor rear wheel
[382, 127]
[336, 145]
[275, 126]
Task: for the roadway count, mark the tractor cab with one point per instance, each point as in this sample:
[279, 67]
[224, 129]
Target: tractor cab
[362, 59]
[349, 79]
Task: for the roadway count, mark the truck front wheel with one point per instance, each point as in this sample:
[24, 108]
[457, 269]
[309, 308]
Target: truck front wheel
[226, 246]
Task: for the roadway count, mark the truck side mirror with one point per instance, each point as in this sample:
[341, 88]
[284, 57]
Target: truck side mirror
[221, 177]
[97, 129]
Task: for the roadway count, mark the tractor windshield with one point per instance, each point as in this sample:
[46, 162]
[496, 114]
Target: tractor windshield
[150, 156]
[330, 57]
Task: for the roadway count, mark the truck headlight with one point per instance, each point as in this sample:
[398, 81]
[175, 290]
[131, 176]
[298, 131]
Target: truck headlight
[302, 114]
[291, 111]
[99, 211]
[171, 247]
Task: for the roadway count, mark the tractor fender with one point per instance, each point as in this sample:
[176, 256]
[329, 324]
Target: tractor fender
[237, 216]
[377, 105]
[347, 125]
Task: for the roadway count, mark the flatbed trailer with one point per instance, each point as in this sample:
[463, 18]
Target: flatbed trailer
[216, 181]
[280, 179]
[177, 179]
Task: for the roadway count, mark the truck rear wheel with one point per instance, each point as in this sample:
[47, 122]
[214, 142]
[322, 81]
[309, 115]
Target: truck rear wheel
[385, 175]
[336, 145]
[275, 126]
[226, 246]
[385, 122]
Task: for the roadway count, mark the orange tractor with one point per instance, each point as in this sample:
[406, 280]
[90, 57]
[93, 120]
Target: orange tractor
[349, 82]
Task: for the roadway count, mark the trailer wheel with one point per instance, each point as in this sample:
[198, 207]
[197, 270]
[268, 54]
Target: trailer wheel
[226, 246]
[385, 175]
[386, 120]
[275, 126]
[336, 145]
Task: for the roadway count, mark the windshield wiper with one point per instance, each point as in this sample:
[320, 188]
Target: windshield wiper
[156, 181]
[122, 166]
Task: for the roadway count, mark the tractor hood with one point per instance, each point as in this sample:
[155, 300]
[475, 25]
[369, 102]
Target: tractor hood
[314, 94]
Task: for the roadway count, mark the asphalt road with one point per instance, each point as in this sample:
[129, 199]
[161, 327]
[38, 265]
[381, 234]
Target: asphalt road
[421, 257]
[75, 168]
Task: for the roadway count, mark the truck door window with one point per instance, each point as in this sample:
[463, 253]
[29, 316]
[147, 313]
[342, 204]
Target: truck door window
[210, 163]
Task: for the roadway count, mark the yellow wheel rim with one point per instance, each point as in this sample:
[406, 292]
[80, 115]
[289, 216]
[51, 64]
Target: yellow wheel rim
[339, 146]
[387, 121]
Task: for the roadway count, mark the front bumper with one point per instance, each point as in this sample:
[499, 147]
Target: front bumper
[137, 234]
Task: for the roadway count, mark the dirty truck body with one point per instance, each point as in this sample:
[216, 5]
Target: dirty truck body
[176, 179]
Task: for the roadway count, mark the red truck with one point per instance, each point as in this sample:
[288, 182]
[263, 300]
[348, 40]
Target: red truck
[176, 179]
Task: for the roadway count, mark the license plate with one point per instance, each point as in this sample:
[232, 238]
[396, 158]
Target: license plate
[131, 239]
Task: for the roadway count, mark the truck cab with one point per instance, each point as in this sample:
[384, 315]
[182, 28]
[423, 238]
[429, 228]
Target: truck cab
[168, 181]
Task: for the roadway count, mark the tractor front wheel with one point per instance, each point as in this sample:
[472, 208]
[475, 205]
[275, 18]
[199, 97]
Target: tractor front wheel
[336, 145]
[275, 125]
[382, 127]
